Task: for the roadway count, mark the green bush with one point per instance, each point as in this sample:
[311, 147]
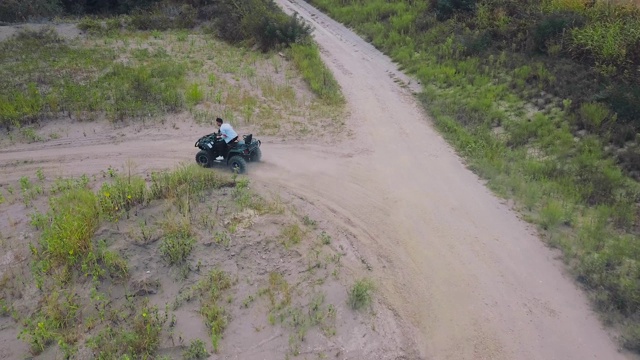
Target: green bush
[21, 11]
[553, 25]
[624, 100]
[360, 294]
[281, 30]
[597, 180]
[445, 9]
[259, 21]
[74, 220]
[476, 43]
[196, 350]
[315, 73]
[593, 115]
[607, 43]
[91, 25]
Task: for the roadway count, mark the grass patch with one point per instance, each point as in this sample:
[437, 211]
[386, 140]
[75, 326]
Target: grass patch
[74, 219]
[292, 235]
[54, 322]
[45, 75]
[315, 73]
[299, 318]
[209, 291]
[360, 294]
[196, 350]
[186, 180]
[67, 251]
[177, 241]
[138, 338]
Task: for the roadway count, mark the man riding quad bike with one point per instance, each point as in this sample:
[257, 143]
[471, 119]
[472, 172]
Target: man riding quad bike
[235, 154]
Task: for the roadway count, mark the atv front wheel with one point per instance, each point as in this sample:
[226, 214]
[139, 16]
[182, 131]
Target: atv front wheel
[256, 155]
[238, 164]
[203, 158]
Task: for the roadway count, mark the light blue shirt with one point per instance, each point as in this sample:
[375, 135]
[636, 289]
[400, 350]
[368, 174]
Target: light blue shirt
[227, 132]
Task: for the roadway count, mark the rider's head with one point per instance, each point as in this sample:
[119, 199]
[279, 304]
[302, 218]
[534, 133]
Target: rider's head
[219, 121]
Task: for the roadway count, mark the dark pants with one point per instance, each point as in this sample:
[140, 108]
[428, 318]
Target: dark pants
[222, 147]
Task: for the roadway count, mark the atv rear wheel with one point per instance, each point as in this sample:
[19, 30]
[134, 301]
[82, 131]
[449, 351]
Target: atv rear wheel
[204, 158]
[256, 155]
[238, 164]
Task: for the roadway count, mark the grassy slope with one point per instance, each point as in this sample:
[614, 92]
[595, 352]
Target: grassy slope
[119, 73]
[528, 122]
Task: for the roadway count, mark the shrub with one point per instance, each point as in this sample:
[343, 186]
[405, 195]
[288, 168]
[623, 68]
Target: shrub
[447, 8]
[631, 337]
[624, 100]
[281, 30]
[121, 195]
[597, 180]
[194, 94]
[75, 218]
[476, 43]
[164, 16]
[260, 21]
[553, 25]
[22, 11]
[196, 350]
[607, 43]
[91, 25]
[360, 294]
[593, 115]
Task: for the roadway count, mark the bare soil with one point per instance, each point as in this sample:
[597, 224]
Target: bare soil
[459, 275]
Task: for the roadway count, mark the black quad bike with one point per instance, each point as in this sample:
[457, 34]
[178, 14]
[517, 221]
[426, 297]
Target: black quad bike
[236, 156]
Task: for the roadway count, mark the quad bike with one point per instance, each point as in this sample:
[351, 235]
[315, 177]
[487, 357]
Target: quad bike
[236, 156]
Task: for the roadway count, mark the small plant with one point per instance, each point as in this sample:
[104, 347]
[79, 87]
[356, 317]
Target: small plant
[146, 234]
[593, 115]
[176, 246]
[246, 302]
[360, 294]
[210, 290]
[112, 262]
[196, 350]
[309, 221]
[325, 238]
[292, 235]
[551, 215]
[137, 339]
[40, 175]
[66, 239]
[194, 94]
[121, 195]
[38, 220]
[30, 135]
[222, 238]
[182, 36]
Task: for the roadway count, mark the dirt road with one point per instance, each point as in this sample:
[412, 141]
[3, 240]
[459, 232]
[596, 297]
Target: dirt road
[450, 256]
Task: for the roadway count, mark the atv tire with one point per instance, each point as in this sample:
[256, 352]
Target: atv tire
[256, 155]
[204, 159]
[238, 164]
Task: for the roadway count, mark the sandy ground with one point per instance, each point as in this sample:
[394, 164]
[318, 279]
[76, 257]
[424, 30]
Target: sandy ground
[470, 278]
